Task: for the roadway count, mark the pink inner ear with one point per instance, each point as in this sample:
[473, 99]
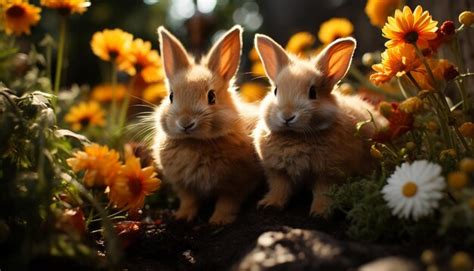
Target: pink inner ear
[340, 57]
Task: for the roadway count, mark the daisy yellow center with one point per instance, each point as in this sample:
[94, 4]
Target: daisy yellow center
[16, 12]
[409, 189]
[135, 185]
[411, 37]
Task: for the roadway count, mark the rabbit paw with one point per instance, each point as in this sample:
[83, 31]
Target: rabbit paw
[222, 219]
[186, 214]
[270, 202]
[318, 208]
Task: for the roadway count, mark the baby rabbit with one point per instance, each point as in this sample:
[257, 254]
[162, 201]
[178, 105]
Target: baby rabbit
[306, 132]
[203, 145]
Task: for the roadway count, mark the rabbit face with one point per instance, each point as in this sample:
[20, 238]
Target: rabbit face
[199, 104]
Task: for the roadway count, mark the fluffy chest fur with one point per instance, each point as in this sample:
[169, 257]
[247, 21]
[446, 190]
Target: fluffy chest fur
[205, 166]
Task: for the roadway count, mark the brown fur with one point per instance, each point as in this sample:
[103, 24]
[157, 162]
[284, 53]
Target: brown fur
[216, 158]
[319, 146]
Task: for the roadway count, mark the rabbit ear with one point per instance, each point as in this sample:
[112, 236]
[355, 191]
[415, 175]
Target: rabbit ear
[224, 57]
[273, 56]
[173, 54]
[334, 61]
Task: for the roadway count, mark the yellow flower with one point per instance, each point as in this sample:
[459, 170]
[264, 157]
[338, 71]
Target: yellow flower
[300, 42]
[439, 67]
[467, 129]
[467, 165]
[396, 61]
[257, 69]
[457, 180]
[100, 164]
[252, 92]
[84, 115]
[335, 28]
[19, 16]
[466, 18]
[67, 7]
[155, 93]
[111, 45]
[415, 27]
[103, 93]
[411, 105]
[132, 184]
[143, 60]
[253, 55]
[379, 10]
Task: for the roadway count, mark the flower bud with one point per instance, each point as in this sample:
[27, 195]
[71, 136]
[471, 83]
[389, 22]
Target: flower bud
[346, 89]
[385, 109]
[466, 18]
[411, 105]
[467, 165]
[448, 28]
[368, 59]
[410, 145]
[457, 180]
[461, 261]
[432, 126]
[467, 129]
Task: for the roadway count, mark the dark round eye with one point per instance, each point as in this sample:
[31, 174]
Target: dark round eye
[313, 95]
[171, 97]
[275, 91]
[211, 97]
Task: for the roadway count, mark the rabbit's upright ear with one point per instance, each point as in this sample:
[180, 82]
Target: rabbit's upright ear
[224, 56]
[173, 54]
[273, 56]
[334, 61]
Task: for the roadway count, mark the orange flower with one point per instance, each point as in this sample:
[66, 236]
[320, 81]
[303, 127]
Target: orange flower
[252, 92]
[67, 7]
[442, 70]
[396, 61]
[111, 45]
[103, 93]
[155, 93]
[399, 123]
[84, 115]
[335, 28]
[19, 16]
[143, 60]
[415, 27]
[379, 10]
[99, 163]
[132, 184]
[300, 42]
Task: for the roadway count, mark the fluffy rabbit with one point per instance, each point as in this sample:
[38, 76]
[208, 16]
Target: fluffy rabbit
[306, 132]
[203, 145]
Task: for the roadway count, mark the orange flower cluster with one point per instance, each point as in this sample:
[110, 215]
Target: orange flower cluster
[127, 185]
[18, 16]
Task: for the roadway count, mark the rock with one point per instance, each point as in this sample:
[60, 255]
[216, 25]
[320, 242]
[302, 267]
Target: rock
[298, 249]
[390, 264]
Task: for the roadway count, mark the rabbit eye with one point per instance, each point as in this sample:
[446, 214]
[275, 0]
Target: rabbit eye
[313, 95]
[211, 97]
[275, 91]
[171, 97]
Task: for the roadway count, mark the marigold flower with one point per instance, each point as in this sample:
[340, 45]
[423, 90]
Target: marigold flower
[414, 27]
[457, 180]
[467, 129]
[300, 42]
[132, 184]
[104, 92]
[18, 16]
[155, 93]
[379, 10]
[67, 7]
[335, 28]
[84, 115]
[411, 105]
[252, 92]
[467, 165]
[141, 59]
[466, 18]
[111, 45]
[396, 61]
[100, 164]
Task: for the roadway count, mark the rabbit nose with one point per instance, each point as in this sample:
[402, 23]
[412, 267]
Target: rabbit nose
[290, 118]
[186, 125]
[287, 117]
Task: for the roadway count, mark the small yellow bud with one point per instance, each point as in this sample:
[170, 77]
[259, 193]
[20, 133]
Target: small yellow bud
[466, 18]
[428, 257]
[410, 145]
[467, 165]
[457, 180]
[467, 129]
[432, 126]
[346, 89]
[385, 109]
[375, 153]
[461, 261]
[411, 105]
[447, 153]
[368, 59]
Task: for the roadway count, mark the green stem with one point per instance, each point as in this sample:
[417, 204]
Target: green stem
[113, 110]
[455, 49]
[366, 83]
[126, 102]
[59, 59]
[463, 141]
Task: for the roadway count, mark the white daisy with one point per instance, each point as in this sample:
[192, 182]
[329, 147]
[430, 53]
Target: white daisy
[414, 190]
